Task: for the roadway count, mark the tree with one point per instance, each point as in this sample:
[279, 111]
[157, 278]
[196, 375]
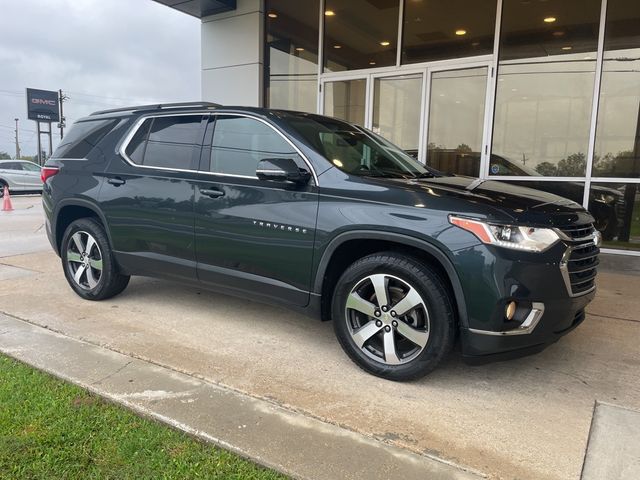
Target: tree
[572, 166]
[5, 156]
[547, 169]
[464, 148]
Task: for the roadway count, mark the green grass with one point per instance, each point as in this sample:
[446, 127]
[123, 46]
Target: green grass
[50, 429]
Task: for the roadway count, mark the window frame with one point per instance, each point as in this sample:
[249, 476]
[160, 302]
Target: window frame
[208, 121]
[140, 121]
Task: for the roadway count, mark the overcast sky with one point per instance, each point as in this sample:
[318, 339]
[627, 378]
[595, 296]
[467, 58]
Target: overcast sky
[101, 53]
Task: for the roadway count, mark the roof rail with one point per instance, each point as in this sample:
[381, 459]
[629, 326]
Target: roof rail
[158, 106]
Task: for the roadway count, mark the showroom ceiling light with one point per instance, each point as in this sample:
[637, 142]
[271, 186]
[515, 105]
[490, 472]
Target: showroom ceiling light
[337, 46]
[385, 43]
[329, 13]
[272, 15]
[299, 49]
[568, 47]
[461, 32]
[372, 63]
[549, 19]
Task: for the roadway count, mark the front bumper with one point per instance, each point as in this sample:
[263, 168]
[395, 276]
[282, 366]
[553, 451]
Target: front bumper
[559, 318]
[547, 308]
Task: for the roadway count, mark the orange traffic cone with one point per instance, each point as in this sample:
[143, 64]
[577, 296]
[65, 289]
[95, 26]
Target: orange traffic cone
[6, 202]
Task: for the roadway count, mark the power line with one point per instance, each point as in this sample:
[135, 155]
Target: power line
[108, 97]
[13, 128]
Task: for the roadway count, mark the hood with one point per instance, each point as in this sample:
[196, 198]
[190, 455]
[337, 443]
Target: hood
[503, 201]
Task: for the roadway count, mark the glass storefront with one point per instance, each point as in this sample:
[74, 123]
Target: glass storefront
[543, 93]
[546, 73]
[291, 54]
[360, 34]
[617, 149]
[616, 208]
[346, 100]
[456, 120]
[396, 113]
[444, 29]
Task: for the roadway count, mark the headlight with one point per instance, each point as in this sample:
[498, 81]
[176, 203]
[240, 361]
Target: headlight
[531, 239]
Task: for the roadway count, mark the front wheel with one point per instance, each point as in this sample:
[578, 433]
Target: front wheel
[393, 316]
[88, 261]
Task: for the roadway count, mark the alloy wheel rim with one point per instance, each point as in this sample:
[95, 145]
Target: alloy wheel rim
[84, 260]
[387, 319]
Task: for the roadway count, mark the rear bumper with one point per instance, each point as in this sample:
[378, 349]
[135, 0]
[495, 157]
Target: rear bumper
[559, 318]
[48, 227]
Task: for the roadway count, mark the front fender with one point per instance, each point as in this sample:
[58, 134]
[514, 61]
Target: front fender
[409, 241]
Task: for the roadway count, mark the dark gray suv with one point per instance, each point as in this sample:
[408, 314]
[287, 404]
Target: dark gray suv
[324, 217]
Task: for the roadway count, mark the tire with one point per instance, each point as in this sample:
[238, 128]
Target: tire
[378, 340]
[2, 185]
[88, 262]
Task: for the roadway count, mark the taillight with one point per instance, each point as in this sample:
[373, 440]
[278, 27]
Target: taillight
[48, 172]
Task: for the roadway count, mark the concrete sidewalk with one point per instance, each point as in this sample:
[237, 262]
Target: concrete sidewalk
[289, 442]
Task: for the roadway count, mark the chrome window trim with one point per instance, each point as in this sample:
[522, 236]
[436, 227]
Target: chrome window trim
[132, 131]
[527, 327]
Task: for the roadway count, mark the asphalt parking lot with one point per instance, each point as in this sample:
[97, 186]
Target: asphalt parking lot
[528, 418]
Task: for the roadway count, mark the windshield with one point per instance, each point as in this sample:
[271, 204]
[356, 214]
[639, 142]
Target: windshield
[358, 151]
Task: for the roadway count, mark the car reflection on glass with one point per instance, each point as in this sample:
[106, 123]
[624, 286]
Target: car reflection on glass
[605, 204]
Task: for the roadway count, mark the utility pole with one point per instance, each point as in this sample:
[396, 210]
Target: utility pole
[61, 97]
[17, 141]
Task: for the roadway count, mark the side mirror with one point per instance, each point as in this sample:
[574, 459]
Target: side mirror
[281, 169]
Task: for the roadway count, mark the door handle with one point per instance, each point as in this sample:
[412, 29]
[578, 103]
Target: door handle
[116, 181]
[212, 193]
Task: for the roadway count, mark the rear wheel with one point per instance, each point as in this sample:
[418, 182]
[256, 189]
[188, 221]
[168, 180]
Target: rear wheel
[2, 185]
[88, 262]
[393, 316]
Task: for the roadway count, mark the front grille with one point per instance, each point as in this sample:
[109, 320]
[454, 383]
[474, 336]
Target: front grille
[580, 263]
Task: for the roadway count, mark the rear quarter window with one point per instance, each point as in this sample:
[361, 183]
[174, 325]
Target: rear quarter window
[170, 141]
[83, 137]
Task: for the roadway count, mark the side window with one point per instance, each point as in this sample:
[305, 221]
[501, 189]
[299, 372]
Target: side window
[82, 137]
[239, 143]
[172, 140]
[13, 166]
[29, 167]
[135, 148]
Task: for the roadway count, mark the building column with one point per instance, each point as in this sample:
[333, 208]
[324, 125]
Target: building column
[232, 55]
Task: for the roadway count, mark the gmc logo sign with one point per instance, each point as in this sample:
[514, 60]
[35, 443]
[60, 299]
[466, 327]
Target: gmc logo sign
[42, 105]
[42, 101]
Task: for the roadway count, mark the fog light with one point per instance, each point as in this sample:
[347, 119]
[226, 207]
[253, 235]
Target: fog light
[510, 311]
